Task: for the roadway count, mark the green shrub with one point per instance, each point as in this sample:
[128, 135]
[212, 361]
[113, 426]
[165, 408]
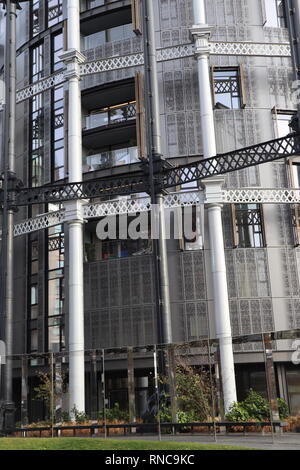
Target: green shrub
[115, 414]
[255, 407]
[283, 408]
[80, 416]
[65, 417]
[182, 416]
[237, 413]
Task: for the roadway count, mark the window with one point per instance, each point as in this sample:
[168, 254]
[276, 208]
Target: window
[56, 339]
[107, 158]
[54, 12]
[116, 114]
[37, 120]
[37, 140]
[282, 121]
[58, 155]
[248, 226]
[33, 302]
[96, 249]
[118, 33]
[95, 3]
[32, 292]
[275, 14]
[293, 384]
[34, 16]
[53, 15]
[228, 88]
[57, 50]
[33, 341]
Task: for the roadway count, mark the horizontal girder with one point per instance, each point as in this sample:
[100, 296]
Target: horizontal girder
[137, 182]
[173, 200]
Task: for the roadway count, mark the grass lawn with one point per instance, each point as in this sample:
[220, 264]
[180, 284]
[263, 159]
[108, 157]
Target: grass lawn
[70, 443]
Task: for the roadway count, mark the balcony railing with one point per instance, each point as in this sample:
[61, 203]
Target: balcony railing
[109, 116]
[90, 4]
[110, 158]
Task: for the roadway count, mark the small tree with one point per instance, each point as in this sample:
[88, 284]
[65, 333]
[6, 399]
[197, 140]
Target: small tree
[193, 391]
[47, 392]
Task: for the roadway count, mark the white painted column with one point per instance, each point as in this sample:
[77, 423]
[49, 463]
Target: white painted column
[74, 216]
[221, 303]
[201, 33]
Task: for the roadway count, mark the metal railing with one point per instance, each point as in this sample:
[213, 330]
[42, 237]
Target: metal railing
[110, 116]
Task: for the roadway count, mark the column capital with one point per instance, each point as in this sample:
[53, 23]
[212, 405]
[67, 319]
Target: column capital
[200, 35]
[74, 211]
[213, 188]
[72, 60]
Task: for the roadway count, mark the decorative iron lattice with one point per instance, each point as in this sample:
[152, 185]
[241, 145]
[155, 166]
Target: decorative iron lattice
[58, 120]
[248, 216]
[116, 207]
[226, 86]
[168, 53]
[183, 199]
[112, 63]
[55, 11]
[40, 86]
[261, 196]
[172, 200]
[56, 243]
[232, 161]
[40, 222]
[250, 49]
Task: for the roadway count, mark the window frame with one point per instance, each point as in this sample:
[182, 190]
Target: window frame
[235, 225]
[239, 69]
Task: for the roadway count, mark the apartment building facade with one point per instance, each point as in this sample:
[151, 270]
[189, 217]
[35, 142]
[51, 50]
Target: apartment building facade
[251, 88]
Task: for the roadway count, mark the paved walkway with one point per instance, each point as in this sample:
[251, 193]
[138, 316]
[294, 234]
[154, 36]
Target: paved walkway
[286, 441]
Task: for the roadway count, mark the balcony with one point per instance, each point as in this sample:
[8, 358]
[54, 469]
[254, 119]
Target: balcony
[110, 158]
[118, 114]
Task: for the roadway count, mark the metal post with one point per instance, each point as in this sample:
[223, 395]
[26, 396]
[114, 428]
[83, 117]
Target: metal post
[157, 391]
[58, 388]
[131, 387]
[104, 392]
[8, 212]
[154, 151]
[93, 386]
[201, 33]
[270, 377]
[172, 382]
[73, 58]
[24, 391]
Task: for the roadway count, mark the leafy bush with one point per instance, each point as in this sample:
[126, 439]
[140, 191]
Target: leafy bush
[65, 417]
[186, 416]
[182, 416]
[115, 414]
[255, 407]
[80, 416]
[237, 413]
[283, 408]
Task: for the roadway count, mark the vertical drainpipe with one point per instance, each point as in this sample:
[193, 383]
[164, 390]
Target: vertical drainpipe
[292, 12]
[74, 213]
[154, 144]
[8, 211]
[201, 33]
